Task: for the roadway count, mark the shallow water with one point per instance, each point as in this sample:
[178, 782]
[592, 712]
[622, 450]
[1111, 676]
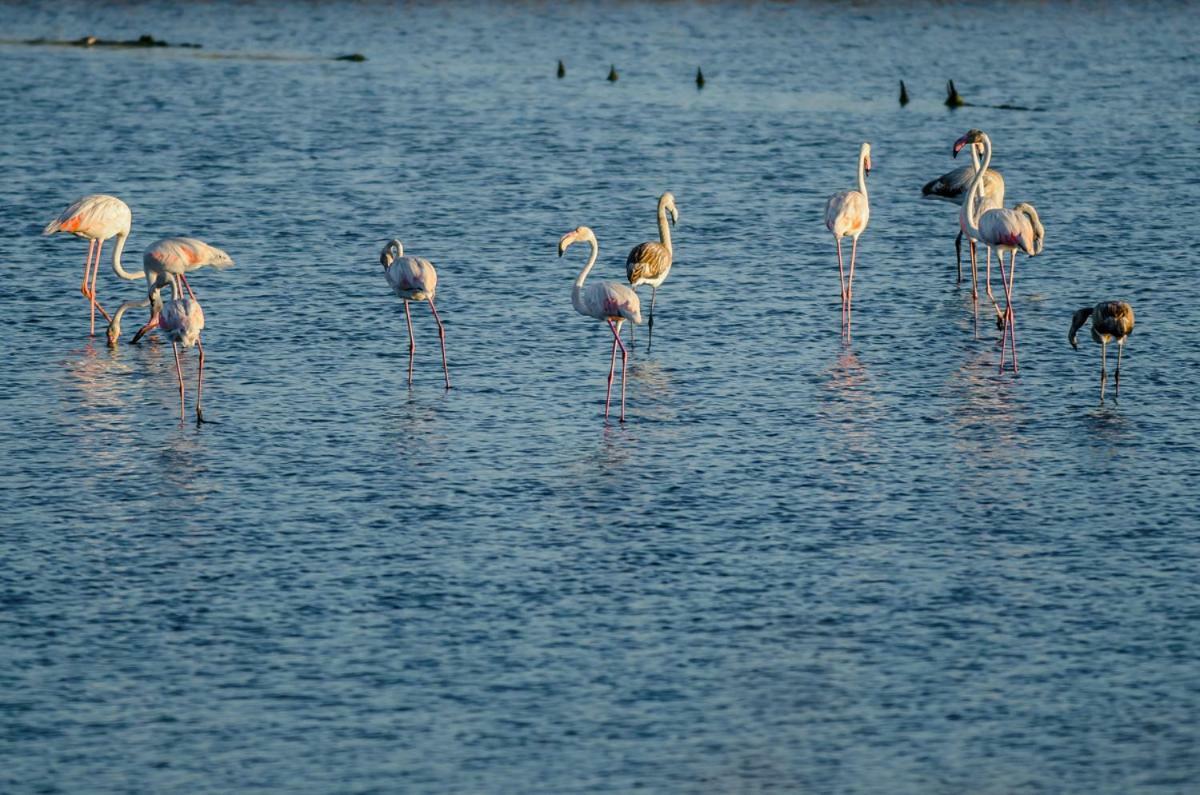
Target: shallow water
[799, 566]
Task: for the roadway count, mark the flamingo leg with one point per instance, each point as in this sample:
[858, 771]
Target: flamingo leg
[974, 272]
[412, 344]
[650, 331]
[616, 330]
[87, 275]
[633, 326]
[200, 384]
[612, 365]
[1011, 316]
[1103, 368]
[1004, 284]
[183, 279]
[850, 286]
[179, 374]
[1117, 382]
[958, 255]
[442, 338]
[92, 292]
[842, 279]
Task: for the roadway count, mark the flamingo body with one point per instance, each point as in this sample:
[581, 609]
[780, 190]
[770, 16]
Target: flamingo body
[182, 320]
[1112, 321]
[650, 262]
[413, 279]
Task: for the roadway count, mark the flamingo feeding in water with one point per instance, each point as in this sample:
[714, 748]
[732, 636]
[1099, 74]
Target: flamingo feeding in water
[96, 218]
[1004, 230]
[1112, 321]
[650, 262]
[165, 263]
[182, 320]
[413, 279]
[609, 301]
[952, 187]
[846, 215]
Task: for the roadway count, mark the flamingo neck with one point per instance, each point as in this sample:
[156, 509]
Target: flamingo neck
[576, 293]
[970, 219]
[116, 260]
[664, 228]
[862, 173]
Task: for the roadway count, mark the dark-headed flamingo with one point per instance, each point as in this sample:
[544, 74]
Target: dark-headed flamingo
[1112, 321]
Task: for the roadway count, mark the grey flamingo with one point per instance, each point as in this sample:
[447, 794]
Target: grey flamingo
[1112, 321]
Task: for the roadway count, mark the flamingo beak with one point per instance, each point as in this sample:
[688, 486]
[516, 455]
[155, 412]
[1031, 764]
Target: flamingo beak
[868, 164]
[959, 144]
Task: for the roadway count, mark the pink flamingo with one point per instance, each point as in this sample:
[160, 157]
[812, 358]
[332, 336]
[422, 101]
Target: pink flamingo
[952, 187]
[609, 301]
[96, 218]
[166, 262]
[1004, 230]
[413, 279]
[846, 215]
[182, 320]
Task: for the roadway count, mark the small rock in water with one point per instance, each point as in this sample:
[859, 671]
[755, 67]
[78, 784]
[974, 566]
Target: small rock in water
[953, 100]
[562, 70]
[356, 57]
[699, 78]
[903, 94]
[612, 74]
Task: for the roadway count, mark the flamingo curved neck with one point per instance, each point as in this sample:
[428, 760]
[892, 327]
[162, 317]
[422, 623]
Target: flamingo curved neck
[862, 173]
[664, 228]
[116, 260]
[970, 219]
[576, 297]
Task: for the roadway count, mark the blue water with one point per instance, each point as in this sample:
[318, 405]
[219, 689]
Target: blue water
[800, 566]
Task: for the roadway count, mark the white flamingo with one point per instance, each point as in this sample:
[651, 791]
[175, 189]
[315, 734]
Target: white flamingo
[846, 215]
[650, 262]
[96, 218]
[167, 262]
[1112, 321]
[413, 279]
[608, 301]
[952, 187]
[182, 320]
[1004, 230]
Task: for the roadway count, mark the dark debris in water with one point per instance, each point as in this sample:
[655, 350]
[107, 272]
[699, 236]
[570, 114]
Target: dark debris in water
[356, 57]
[145, 40]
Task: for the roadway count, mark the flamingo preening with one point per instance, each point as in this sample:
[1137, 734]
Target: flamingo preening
[846, 215]
[609, 301]
[1004, 230]
[182, 320]
[96, 218]
[650, 262]
[413, 279]
[952, 187]
[1112, 321]
[165, 263]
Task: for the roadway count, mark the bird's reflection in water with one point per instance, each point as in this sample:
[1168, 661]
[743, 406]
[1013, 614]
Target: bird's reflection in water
[850, 408]
[652, 380]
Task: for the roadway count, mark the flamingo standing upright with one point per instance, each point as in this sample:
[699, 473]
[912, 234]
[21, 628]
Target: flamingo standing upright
[846, 215]
[165, 263]
[650, 262]
[1112, 321]
[182, 320]
[413, 279]
[609, 301]
[96, 218]
[1004, 230]
[952, 187]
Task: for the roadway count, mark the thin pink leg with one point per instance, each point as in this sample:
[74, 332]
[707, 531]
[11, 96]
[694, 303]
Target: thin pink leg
[442, 337]
[850, 286]
[87, 276]
[991, 297]
[412, 344]
[1011, 319]
[179, 373]
[96, 273]
[842, 279]
[183, 279]
[200, 384]
[611, 367]
[974, 276]
[624, 363]
[1008, 308]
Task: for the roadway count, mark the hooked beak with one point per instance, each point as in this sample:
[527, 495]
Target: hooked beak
[959, 144]
[867, 165]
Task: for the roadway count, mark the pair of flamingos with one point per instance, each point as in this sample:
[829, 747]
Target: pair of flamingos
[99, 218]
[415, 279]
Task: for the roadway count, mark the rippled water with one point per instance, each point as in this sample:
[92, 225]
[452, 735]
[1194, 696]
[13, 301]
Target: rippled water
[799, 566]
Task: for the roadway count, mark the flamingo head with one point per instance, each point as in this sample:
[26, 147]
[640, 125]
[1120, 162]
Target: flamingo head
[574, 236]
[668, 203]
[864, 154]
[391, 252]
[1077, 320]
[114, 331]
[971, 136]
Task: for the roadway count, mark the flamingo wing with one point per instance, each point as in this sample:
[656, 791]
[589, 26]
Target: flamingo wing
[413, 278]
[1007, 228]
[647, 262]
[97, 216]
[185, 254]
[182, 321]
[847, 213]
[610, 300]
[952, 186]
[1113, 318]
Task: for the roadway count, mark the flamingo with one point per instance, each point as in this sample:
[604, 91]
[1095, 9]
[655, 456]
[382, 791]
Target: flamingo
[1004, 230]
[608, 301]
[97, 218]
[650, 262]
[952, 187]
[182, 320]
[846, 215]
[1111, 321]
[166, 262]
[413, 279]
